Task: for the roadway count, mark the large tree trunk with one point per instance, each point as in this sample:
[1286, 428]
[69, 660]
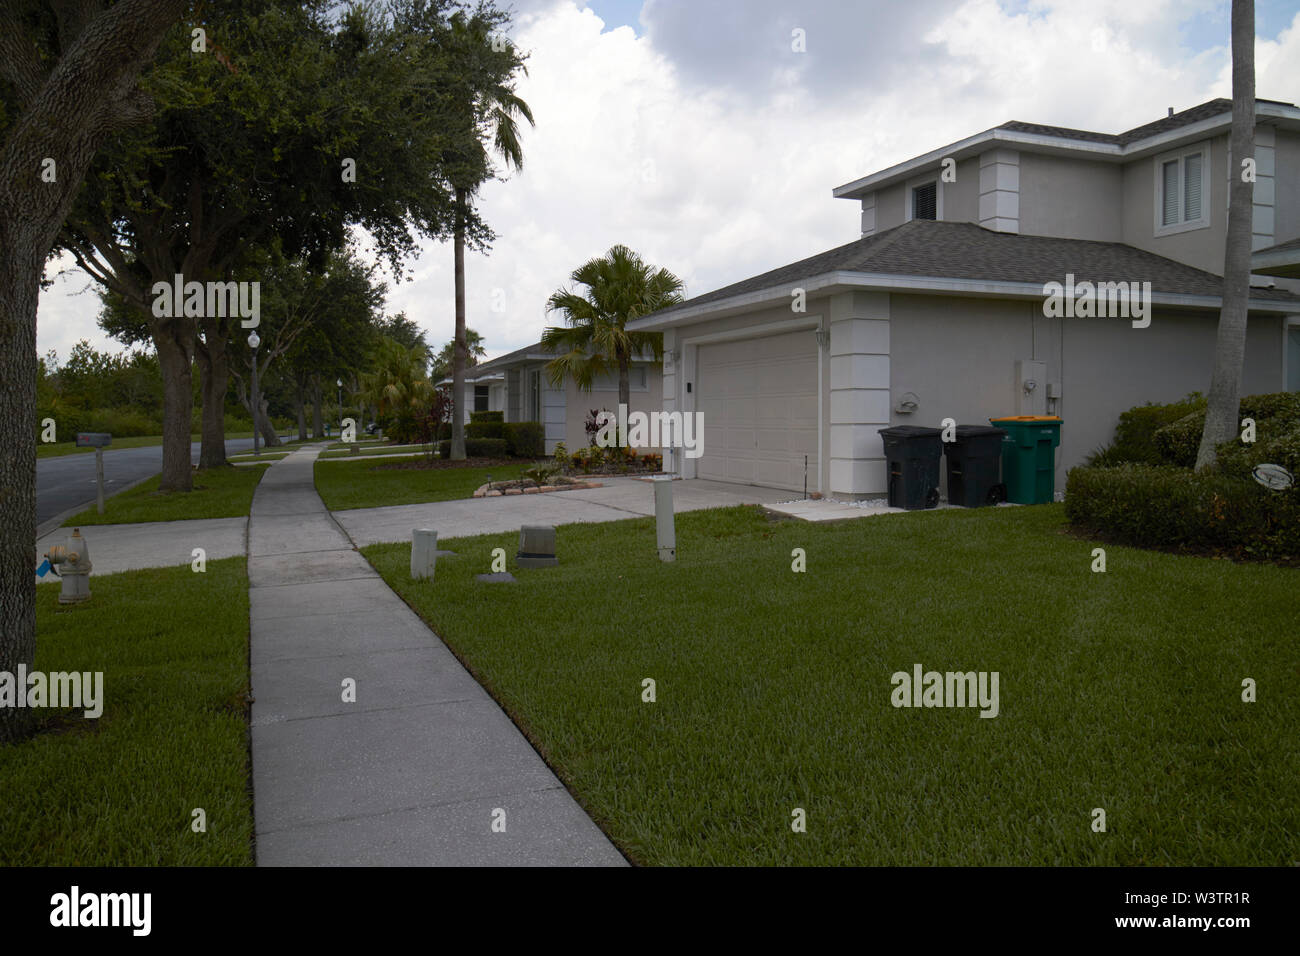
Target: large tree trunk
[214, 377]
[459, 352]
[270, 437]
[176, 359]
[64, 114]
[624, 390]
[317, 419]
[1224, 402]
[300, 409]
[19, 277]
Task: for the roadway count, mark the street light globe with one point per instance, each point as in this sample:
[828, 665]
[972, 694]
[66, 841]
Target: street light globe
[253, 340]
[338, 382]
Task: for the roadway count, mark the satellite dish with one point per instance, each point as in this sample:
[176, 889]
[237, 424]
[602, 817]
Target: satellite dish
[1273, 476]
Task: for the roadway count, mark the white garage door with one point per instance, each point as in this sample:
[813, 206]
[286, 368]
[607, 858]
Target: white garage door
[759, 399]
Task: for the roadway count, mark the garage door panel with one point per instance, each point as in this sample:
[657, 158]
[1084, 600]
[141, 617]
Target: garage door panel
[759, 399]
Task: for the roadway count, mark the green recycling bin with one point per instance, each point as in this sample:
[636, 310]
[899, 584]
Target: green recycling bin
[1029, 457]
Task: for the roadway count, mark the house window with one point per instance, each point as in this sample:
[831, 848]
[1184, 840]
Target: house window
[925, 201]
[1182, 184]
[608, 381]
[482, 395]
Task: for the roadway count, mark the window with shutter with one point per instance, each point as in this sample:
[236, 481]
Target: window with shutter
[1170, 189]
[1180, 190]
[925, 201]
[1191, 187]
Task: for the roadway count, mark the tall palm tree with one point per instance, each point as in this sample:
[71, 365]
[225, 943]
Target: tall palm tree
[491, 111]
[619, 287]
[1224, 401]
[396, 385]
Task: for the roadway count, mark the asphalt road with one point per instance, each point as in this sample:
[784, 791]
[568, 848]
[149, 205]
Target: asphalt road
[69, 480]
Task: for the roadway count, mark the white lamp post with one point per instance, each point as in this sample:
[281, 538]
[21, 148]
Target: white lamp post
[253, 342]
[339, 383]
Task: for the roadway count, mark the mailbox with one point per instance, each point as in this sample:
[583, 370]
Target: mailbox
[94, 439]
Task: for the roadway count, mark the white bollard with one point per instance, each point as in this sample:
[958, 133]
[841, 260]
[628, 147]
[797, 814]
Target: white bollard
[667, 532]
[424, 553]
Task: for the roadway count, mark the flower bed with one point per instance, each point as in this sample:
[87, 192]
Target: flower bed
[526, 486]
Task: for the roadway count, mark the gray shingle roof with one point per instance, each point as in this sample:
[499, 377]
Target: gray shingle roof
[963, 250]
[1195, 114]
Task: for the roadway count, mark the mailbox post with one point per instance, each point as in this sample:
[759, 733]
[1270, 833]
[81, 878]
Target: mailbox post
[98, 441]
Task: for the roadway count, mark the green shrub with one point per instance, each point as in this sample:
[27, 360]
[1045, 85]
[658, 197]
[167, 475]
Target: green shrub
[487, 417]
[1179, 510]
[1135, 434]
[476, 448]
[489, 429]
[525, 439]
[1275, 413]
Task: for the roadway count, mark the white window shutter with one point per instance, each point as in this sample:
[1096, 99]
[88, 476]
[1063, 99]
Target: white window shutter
[1192, 187]
[1169, 192]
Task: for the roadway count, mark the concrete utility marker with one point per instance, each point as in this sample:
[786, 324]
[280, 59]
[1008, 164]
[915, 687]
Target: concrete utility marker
[372, 745]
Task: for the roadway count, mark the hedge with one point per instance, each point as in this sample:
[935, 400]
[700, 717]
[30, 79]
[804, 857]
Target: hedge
[1276, 415]
[490, 429]
[1135, 433]
[476, 448]
[526, 439]
[1179, 510]
[487, 416]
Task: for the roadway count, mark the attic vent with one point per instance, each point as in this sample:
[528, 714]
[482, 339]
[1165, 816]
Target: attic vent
[924, 201]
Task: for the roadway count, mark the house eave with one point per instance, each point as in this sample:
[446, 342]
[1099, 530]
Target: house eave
[831, 283]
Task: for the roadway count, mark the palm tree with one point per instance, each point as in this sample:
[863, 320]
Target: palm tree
[619, 287]
[491, 112]
[1224, 401]
[397, 385]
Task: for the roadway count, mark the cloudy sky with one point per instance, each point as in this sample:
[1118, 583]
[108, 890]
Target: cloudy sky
[693, 132]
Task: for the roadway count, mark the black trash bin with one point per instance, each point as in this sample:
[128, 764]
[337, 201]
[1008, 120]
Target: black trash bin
[975, 466]
[912, 456]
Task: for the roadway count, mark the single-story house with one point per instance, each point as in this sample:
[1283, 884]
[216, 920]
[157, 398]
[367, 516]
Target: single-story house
[517, 384]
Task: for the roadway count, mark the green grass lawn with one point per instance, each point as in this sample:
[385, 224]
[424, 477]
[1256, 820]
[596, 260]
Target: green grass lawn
[345, 451]
[120, 790]
[1119, 690]
[368, 484]
[218, 493]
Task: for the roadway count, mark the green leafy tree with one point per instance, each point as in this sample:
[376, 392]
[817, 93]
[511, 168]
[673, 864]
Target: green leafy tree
[443, 363]
[309, 123]
[617, 288]
[398, 387]
[486, 117]
[68, 82]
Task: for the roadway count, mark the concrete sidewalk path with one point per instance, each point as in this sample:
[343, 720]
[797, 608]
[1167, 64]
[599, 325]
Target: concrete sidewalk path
[413, 772]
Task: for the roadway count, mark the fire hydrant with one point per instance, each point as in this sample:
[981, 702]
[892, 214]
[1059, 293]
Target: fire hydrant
[74, 560]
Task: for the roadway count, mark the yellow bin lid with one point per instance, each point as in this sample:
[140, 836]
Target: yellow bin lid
[1027, 418]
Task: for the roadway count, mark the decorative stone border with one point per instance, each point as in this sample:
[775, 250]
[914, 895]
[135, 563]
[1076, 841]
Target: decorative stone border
[483, 492]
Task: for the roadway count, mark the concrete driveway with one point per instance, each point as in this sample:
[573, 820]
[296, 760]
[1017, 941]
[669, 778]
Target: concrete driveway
[616, 500]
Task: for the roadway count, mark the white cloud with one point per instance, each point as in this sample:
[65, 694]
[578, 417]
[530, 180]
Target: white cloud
[662, 142]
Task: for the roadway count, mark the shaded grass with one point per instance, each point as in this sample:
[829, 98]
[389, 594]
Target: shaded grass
[370, 484]
[1119, 690]
[218, 493]
[119, 790]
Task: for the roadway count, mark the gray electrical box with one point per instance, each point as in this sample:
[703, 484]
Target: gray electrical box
[94, 439]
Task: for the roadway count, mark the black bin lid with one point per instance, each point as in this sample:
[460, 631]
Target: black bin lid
[910, 431]
[979, 431]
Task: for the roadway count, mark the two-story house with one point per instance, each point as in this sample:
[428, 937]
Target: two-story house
[943, 307]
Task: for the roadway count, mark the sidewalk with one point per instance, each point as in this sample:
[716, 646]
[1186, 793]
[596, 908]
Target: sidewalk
[413, 771]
